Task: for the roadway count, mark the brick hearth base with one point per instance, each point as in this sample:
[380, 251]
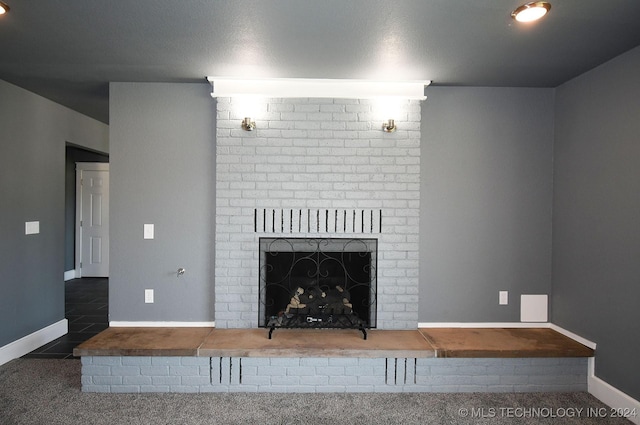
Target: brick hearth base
[426, 360]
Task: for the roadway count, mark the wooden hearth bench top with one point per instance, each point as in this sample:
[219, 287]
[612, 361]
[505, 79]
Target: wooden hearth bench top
[503, 342]
[423, 342]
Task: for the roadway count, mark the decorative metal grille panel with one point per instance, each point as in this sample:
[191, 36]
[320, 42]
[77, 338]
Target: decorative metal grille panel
[321, 220]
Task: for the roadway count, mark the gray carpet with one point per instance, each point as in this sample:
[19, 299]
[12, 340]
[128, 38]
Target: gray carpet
[44, 391]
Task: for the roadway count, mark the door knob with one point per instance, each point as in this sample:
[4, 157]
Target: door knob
[181, 271]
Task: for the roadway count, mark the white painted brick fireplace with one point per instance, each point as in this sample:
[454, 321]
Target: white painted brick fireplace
[310, 156]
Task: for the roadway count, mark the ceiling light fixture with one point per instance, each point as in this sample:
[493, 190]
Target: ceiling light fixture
[4, 8]
[317, 88]
[531, 11]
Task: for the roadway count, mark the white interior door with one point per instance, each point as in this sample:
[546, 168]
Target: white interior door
[92, 217]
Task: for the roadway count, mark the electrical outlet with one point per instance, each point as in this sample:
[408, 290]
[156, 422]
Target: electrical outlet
[31, 227]
[148, 296]
[503, 297]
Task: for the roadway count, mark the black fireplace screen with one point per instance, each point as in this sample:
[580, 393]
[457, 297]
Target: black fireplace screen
[318, 282]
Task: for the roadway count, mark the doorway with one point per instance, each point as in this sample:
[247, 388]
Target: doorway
[73, 155]
[92, 219]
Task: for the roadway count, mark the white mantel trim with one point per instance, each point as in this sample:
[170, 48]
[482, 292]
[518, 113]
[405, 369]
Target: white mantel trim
[317, 88]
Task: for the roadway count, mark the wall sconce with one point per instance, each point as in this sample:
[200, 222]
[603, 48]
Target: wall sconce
[4, 8]
[248, 125]
[389, 126]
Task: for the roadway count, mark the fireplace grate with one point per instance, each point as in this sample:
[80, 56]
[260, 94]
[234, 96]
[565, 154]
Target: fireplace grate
[318, 320]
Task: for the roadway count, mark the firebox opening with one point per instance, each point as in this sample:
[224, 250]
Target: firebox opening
[317, 283]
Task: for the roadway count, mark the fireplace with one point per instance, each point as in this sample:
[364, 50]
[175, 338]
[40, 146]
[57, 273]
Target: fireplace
[318, 283]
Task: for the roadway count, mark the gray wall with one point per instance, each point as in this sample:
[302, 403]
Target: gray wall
[485, 221]
[162, 158]
[33, 133]
[596, 224]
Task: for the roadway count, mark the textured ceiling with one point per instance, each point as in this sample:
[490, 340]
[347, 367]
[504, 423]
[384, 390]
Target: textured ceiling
[68, 50]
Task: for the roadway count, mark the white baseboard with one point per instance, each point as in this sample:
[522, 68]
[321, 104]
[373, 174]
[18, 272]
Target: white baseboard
[32, 341]
[482, 325]
[70, 274]
[621, 403]
[573, 336]
[119, 324]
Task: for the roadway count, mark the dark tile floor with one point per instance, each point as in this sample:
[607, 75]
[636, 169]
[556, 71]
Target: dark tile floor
[86, 309]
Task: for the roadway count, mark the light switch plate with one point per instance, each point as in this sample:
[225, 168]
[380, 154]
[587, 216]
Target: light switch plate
[503, 297]
[148, 296]
[148, 231]
[31, 227]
